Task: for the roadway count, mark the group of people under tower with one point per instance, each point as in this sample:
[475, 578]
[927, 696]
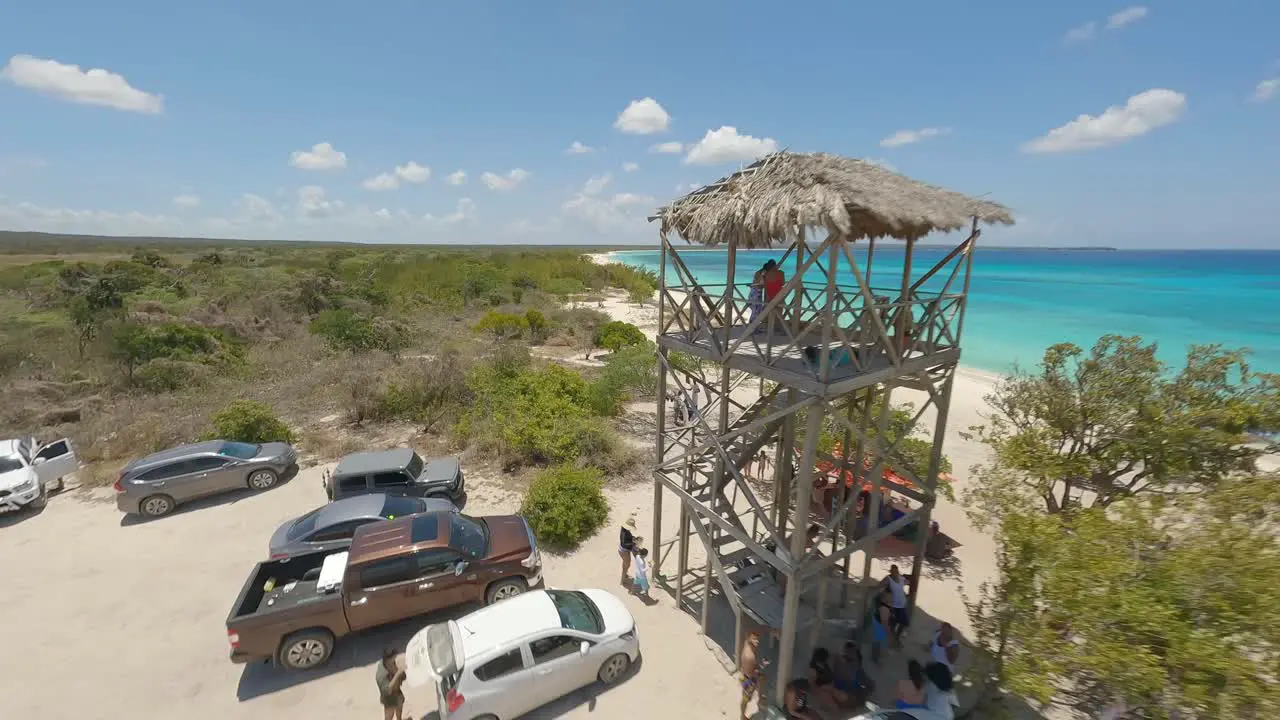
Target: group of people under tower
[841, 682]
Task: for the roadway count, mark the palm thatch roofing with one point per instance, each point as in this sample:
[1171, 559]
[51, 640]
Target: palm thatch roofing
[769, 201]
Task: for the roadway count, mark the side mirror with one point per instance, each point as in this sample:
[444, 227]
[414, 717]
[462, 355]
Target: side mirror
[39, 461]
[459, 567]
[584, 648]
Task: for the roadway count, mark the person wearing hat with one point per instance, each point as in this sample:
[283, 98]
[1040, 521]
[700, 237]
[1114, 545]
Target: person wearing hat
[626, 546]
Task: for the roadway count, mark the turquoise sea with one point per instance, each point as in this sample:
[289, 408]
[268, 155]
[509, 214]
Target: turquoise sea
[1023, 300]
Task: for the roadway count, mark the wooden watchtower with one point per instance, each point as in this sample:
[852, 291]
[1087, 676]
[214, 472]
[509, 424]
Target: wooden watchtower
[826, 353]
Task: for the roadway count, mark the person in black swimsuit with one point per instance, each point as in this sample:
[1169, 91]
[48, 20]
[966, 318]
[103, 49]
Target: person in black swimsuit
[824, 678]
[796, 701]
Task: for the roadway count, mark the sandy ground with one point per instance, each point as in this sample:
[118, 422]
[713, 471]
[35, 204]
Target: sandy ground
[129, 617]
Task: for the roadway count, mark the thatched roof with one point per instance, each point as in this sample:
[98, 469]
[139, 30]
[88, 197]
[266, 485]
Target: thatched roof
[768, 201]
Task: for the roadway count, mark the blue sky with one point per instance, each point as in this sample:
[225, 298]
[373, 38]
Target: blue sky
[194, 127]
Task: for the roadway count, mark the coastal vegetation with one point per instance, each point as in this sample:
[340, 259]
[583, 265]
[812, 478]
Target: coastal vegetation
[128, 348]
[1137, 541]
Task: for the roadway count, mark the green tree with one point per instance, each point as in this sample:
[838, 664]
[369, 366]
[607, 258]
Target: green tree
[1114, 423]
[91, 308]
[1161, 608]
[503, 326]
[537, 324]
[615, 335]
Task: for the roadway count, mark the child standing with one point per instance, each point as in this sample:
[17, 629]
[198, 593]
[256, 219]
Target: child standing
[640, 567]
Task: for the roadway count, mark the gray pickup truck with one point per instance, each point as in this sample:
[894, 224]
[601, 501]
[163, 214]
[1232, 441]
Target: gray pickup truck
[399, 471]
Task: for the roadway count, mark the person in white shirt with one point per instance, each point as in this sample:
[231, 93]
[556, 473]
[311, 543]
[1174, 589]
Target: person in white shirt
[945, 648]
[898, 617]
[939, 692]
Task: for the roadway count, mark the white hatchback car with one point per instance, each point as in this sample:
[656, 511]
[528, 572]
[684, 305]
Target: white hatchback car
[511, 657]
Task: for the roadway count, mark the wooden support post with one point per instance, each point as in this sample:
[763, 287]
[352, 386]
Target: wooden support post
[722, 427]
[799, 521]
[815, 633]
[661, 449]
[931, 483]
[905, 308]
[877, 474]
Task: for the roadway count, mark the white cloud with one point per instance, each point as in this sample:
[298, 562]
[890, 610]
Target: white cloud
[382, 181]
[1125, 17]
[577, 148]
[312, 202]
[1266, 90]
[595, 185]
[510, 181]
[87, 87]
[254, 207]
[881, 162]
[727, 146]
[466, 210]
[907, 137]
[412, 172]
[667, 148]
[321, 156]
[187, 201]
[1141, 114]
[630, 167]
[458, 177]
[1083, 33]
[619, 213]
[643, 117]
[31, 217]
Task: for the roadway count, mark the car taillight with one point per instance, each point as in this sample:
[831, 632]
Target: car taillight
[233, 637]
[279, 556]
[119, 485]
[454, 699]
[533, 561]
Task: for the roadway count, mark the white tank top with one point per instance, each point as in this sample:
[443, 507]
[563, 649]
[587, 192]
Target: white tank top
[899, 593]
[939, 652]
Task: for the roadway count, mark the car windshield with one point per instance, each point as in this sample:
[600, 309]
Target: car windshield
[9, 463]
[304, 525]
[414, 468]
[399, 506]
[468, 535]
[576, 611]
[239, 450]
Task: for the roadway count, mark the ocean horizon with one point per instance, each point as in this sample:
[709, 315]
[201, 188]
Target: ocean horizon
[1023, 300]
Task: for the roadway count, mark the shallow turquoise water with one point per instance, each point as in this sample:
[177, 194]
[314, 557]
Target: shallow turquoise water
[1022, 301]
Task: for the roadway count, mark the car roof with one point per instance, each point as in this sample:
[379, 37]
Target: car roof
[352, 508]
[441, 469]
[395, 537]
[206, 447]
[362, 463]
[506, 622]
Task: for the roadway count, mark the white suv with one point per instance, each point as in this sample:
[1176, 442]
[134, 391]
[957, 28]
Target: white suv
[511, 657]
[28, 471]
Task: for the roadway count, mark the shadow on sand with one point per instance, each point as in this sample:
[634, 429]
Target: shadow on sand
[227, 498]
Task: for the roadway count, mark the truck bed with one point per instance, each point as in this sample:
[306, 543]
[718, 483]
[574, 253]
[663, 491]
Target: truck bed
[254, 595]
[261, 618]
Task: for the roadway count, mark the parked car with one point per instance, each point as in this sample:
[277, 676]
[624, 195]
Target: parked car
[331, 527]
[903, 714]
[154, 485]
[506, 660]
[293, 611]
[29, 471]
[399, 471]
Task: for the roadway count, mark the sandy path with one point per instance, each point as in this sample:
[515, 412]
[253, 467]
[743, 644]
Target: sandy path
[130, 619]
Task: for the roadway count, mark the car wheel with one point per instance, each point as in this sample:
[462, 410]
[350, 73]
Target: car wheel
[41, 500]
[505, 590]
[614, 668]
[154, 506]
[263, 479]
[306, 650]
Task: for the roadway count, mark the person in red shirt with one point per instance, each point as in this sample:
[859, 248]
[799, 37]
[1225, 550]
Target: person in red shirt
[774, 279]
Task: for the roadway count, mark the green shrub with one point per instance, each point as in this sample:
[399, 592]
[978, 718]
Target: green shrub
[428, 396]
[616, 335]
[640, 296]
[165, 375]
[633, 369]
[504, 326]
[134, 345]
[249, 421]
[534, 416]
[537, 324]
[345, 329]
[565, 505]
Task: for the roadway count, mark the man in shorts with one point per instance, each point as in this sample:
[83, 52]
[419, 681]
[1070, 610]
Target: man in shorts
[898, 617]
[389, 678]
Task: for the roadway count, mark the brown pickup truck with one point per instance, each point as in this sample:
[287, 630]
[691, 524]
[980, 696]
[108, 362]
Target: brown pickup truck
[292, 611]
